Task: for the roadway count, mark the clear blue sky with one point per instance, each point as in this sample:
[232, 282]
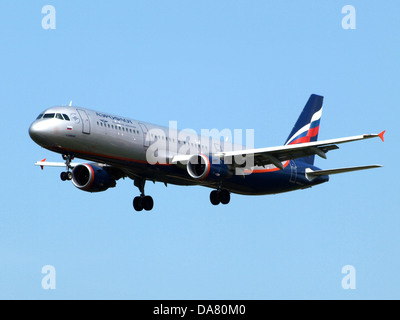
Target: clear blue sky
[206, 64]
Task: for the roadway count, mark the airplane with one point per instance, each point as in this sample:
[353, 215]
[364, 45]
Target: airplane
[119, 147]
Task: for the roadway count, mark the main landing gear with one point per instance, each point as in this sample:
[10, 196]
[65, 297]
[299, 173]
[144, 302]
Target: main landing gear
[220, 196]
[142, 202]
[67, 175]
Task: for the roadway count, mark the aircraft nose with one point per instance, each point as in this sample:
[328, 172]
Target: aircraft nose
[37, 132]
[34, 131]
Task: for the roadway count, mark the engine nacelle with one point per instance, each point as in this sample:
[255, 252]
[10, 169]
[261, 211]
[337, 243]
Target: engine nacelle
[92, 178]
[201, 167]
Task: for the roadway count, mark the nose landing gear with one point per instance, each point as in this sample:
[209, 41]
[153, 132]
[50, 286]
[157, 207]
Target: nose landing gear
[67, 175]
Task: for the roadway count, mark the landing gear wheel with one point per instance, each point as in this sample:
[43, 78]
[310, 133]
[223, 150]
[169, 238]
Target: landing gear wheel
[147, 203]
[214, 198]
[224, 196]
[64, 176]
[137, 204]
[142, 202]
[220, 196]
[67, 175]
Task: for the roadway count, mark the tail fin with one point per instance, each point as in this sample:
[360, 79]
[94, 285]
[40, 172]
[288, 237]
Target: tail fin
[307, 126]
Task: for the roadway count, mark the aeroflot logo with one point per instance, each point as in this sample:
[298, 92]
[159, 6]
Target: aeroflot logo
[107, 116]
[163, 145]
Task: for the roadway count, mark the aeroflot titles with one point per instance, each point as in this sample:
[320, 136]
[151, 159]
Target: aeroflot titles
[104, 115]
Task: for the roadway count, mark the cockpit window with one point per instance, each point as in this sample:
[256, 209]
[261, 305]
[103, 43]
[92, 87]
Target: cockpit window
[49, 115]
[60, 116]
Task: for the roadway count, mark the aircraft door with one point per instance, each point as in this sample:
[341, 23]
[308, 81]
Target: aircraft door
[293, 171]
[85, 121]
[145, 131]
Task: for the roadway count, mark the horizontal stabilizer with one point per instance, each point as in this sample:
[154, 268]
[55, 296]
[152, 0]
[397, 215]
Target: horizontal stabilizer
[312, 174]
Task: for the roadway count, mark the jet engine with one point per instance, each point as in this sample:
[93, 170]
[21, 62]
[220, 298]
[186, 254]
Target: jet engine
[201, 167]
[92, 178]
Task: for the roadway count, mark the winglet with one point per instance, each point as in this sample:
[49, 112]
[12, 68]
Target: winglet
[381, 135]
[42, 161]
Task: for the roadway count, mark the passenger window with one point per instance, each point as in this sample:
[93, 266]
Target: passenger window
[59, 116]
[66, 117]
[49, 115]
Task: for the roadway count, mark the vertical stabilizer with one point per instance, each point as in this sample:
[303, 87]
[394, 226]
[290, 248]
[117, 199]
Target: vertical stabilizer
[306, 128]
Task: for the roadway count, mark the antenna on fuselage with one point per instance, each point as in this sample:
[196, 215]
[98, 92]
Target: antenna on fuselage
[70, 104]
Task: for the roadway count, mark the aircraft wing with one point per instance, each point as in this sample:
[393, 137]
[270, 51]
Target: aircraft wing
[276, 155]
[43, 163]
